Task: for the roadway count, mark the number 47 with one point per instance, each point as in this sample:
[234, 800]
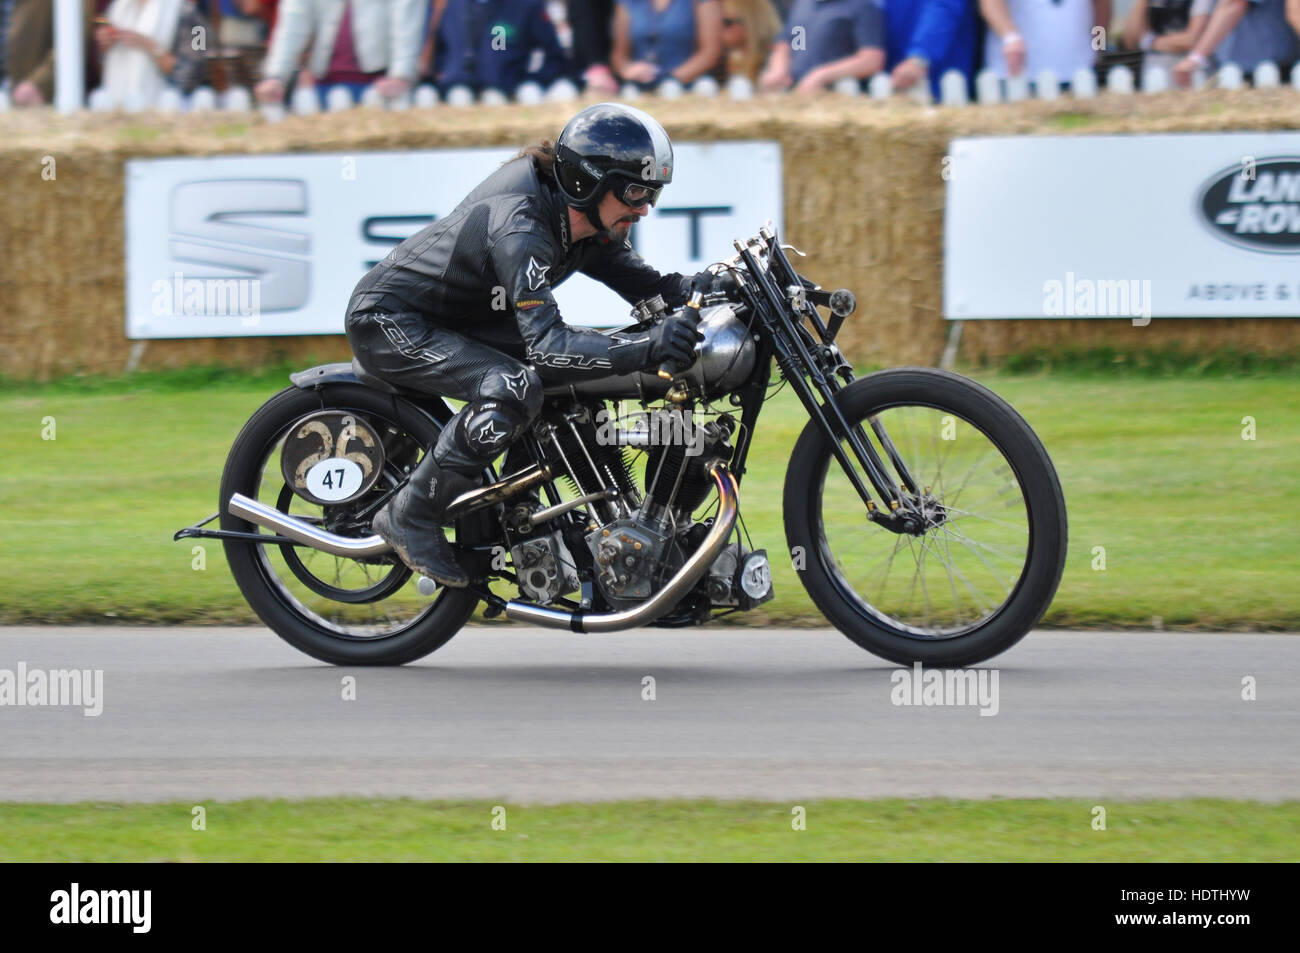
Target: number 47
[329, 479]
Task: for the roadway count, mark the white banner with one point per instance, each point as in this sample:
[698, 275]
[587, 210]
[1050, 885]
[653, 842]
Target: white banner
[1134, 226]
[263, 245]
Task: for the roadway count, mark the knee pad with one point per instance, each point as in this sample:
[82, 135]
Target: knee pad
[478, 434]
[520, 388]
[489, 426]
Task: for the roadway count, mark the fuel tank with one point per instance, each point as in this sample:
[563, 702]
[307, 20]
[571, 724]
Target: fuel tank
[724, 360]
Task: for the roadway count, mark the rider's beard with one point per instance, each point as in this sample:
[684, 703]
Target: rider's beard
[621, 229]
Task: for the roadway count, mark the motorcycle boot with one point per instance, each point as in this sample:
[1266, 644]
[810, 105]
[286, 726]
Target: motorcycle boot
[411, 522]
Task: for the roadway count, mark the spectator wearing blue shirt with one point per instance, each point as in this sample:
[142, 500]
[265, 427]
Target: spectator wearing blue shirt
[491, 44]
[927, 38]
[658, 39]
[1245, 32]
[824, 41]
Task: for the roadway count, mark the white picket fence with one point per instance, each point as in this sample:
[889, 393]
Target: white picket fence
[989, 90]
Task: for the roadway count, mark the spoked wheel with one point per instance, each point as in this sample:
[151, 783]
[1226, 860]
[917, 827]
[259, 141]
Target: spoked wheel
[348, 611]
[335, 578]
[986, 550]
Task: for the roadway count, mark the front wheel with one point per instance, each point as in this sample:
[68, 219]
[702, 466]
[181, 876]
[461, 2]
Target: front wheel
[983, 569]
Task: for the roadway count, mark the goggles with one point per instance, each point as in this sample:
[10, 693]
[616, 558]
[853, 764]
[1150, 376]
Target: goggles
[637, 194]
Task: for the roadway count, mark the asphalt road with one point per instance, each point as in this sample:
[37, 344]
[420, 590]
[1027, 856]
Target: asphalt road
[529, 716]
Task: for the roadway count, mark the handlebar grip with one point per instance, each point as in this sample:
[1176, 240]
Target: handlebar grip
[667, 370]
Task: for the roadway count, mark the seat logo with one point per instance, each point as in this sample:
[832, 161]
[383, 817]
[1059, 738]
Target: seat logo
[217, 225]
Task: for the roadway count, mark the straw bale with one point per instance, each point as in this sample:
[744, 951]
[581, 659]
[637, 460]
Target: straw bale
[864, 198]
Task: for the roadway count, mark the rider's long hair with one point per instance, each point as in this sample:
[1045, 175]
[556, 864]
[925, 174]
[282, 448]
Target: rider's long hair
[543, 155]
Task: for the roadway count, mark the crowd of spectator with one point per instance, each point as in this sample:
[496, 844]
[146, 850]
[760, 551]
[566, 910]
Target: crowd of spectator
[138, 48]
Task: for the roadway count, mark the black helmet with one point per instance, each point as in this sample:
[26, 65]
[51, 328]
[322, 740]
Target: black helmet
[607, 146]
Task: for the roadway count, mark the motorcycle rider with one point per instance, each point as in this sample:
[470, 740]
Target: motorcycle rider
[464, 308]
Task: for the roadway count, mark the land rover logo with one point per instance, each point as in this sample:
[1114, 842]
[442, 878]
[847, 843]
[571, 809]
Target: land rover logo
[1256, 207]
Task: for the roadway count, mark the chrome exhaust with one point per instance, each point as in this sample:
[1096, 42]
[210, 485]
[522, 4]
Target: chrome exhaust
[268, 516]
[353, 548]
[541, 517]
[502, 490]
[695, 567]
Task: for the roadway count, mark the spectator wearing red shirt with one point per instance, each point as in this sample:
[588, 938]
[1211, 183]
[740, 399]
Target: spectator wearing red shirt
[354, 44]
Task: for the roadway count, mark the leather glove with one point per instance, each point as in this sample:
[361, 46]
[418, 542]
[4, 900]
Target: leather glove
[724, 282]
[701, 281]
[673, 339]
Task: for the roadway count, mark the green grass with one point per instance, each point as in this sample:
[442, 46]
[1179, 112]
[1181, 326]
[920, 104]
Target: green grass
[1197, 523]
[349, 829]
[1072, 121]
[1105, 361]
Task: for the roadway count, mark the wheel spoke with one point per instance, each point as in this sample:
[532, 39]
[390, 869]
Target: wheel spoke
[969, 544]
[969, 473]
[956, 574]
[985, 605]
[963, 514]
[351, 597]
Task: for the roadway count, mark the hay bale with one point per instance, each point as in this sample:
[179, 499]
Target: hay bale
[864, 198]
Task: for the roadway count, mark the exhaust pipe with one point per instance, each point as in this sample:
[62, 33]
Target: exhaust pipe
[309, 535]
[665, 598]
[257, 512]
[677, 587]
[503, 489]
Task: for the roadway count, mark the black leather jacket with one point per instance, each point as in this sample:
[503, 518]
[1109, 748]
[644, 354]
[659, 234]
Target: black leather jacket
[495, 258]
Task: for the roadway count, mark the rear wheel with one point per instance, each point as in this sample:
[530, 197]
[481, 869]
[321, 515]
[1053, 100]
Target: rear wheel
[989, 560]
[365, 611]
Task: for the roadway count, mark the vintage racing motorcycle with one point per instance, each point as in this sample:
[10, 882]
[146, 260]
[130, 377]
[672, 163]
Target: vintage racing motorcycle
[922, 514]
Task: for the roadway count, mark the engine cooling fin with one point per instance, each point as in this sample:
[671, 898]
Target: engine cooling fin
[571, 460]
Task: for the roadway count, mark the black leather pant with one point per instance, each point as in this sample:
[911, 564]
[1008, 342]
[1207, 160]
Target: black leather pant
[504, 394]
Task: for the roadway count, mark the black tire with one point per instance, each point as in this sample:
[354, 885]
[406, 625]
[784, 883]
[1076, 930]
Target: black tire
[252, 567]
[1043, 511]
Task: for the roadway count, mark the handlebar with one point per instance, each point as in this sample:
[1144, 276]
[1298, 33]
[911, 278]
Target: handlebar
[668, 368]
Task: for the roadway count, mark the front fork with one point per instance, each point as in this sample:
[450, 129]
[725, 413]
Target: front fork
[911, 509]
[912, 513]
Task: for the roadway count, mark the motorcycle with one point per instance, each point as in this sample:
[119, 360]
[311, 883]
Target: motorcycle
[922, 514]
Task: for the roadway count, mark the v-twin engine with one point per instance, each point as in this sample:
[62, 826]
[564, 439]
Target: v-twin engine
[633, 545]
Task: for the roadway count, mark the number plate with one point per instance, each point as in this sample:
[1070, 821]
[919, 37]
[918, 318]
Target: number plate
[331, 457]
[334, 479]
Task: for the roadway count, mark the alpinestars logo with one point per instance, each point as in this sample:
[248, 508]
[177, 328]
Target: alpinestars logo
[536, 274]
[517, 384]
[488, 434]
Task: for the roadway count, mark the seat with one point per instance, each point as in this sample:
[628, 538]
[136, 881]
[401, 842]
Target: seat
[373, 382]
